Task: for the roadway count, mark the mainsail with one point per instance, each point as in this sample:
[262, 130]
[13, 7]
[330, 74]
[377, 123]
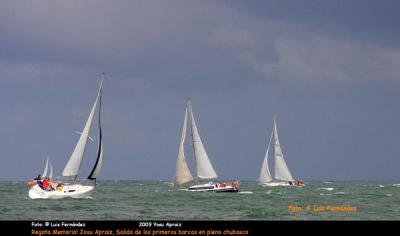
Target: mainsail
[182, 172]
[281, 170]
[204, 168]
[73, 165]
[265, 175]
[99, 160]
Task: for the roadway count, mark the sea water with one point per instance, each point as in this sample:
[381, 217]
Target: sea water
[157, 200]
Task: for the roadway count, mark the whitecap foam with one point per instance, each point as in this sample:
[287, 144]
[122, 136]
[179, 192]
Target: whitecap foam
[82, 197]
[327, 182]
[340, 193]
[381, 186]
[328, 189]
[246, 192]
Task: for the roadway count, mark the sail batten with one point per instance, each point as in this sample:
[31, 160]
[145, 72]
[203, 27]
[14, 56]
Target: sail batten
[73, 165]
[281, 170]
[204, 168]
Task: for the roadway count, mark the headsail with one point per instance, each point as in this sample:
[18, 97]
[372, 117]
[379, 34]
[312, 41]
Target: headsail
[281, 170]
[265, 175]
[99, 160]
[73, 165]
[51, 171]
[182, 172]
[204, 168]
[44, 175]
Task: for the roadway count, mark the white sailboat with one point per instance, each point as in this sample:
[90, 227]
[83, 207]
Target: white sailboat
[283, 177]
[204, 168]
[71, 187]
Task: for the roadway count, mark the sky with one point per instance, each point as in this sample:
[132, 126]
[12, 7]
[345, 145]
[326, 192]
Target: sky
[329, 70]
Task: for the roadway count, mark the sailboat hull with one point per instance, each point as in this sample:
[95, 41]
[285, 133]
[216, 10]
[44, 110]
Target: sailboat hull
[275, 184]
[213, 187]
[282, 184]
[72, 191]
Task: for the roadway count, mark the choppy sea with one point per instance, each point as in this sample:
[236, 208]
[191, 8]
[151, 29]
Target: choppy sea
[156, 200]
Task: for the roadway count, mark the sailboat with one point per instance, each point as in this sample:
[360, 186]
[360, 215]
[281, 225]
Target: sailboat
[68, 185]
[282, 177]
[204, 168]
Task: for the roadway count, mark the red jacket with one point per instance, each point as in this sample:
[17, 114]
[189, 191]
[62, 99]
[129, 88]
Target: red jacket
[46, 183]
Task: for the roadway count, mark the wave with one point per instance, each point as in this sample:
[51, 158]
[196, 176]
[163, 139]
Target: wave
[327, 182]
[381, 186]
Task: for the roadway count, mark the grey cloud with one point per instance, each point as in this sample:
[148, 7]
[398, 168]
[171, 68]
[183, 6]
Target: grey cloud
[327, 72]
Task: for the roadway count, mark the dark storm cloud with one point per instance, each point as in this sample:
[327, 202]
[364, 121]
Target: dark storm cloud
[329, 69]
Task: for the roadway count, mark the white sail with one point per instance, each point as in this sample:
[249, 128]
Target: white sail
[73, 165]
[182, 172]
[281, 170]
[204, 168]
[98, 165]
[51, 171]
[44, 175]
[265, 175]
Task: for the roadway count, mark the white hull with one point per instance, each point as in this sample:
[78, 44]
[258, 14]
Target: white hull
[280, 184]
[73, 191]
[213, 187]
[275, 184]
